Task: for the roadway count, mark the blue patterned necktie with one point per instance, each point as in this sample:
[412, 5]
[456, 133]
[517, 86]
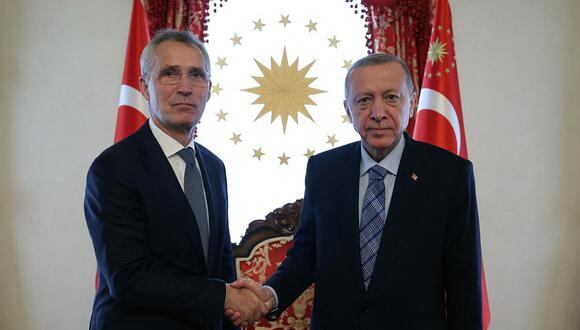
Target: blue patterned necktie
[372, 222]
[193, 187]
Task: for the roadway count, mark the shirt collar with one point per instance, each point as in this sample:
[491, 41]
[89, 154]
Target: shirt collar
[169, 145]
[390, 162]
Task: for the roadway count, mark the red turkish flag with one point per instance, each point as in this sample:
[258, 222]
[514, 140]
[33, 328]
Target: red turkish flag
[439, 120]
[133, 107]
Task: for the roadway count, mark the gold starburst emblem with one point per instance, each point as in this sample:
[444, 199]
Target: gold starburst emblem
[284, 90]
[436, 51]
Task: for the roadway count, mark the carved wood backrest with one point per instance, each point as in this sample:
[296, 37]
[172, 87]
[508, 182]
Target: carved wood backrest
[260, 252]
[283, 221]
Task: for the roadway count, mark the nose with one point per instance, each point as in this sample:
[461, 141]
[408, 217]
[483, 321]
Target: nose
[378, 110]
[184, 87]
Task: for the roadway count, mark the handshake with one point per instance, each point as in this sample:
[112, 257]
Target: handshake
[247, 302]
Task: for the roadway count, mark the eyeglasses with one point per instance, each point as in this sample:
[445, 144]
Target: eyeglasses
[196, 77]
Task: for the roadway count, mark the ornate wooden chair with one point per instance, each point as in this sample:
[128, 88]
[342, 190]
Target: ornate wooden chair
[262, 250]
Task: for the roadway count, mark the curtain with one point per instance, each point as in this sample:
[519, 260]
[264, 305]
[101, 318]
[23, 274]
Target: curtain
[177, 14]
[402, 28]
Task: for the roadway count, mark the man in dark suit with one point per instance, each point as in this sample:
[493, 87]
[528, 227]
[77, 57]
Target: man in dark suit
[156, 208]
[389, 229]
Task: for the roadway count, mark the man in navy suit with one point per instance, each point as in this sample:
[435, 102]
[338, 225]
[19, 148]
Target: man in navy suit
[389, 228]
[156, 208]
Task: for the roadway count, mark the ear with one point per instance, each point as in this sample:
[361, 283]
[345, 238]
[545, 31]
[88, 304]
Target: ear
[413, 105]
[347, 109]
[144, 88]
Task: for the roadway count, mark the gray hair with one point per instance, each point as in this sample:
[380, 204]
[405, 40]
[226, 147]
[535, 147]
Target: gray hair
[163, 35]
[374, 59]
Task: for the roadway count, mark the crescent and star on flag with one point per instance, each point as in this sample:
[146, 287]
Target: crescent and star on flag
[440, 64]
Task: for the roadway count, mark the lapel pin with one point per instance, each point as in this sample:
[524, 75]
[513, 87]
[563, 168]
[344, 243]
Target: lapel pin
[414, 177]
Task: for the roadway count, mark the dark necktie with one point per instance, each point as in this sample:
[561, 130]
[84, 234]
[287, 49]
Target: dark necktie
[372, 221]
[193, 187]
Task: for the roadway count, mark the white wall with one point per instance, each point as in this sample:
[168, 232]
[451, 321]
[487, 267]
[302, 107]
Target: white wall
[60, 67]
[519, 65]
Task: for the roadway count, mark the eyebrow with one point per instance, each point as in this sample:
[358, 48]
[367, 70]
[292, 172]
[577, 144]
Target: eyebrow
[391, 90]
[178, 67]
[170, 67]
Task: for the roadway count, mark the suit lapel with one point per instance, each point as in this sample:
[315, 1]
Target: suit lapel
[209, 184]
[401, 210]
[155, 162]
[348, 213]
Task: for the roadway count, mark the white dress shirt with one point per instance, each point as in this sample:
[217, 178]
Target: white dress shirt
[170, 148]
[390, 163]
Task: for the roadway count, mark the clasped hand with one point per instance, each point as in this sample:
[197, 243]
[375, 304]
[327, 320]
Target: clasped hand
[247, 302]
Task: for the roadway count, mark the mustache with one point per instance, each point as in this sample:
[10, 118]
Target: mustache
[379, 125]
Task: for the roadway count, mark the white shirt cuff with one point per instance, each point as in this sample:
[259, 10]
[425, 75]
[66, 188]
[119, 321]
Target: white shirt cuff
[275, 295]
